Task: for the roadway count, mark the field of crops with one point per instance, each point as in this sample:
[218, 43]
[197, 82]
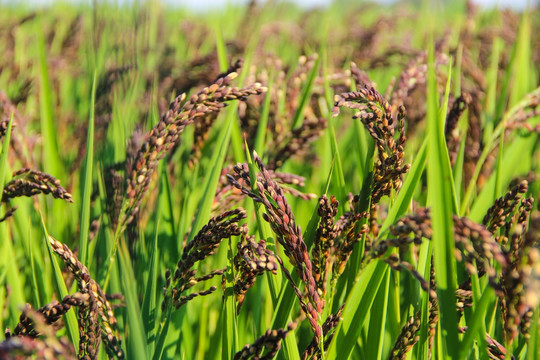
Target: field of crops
[261, 181]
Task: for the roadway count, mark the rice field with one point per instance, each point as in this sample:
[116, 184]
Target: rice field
[265, 181]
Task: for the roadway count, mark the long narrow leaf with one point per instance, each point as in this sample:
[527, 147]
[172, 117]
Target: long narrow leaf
[358, 303]
[305, 95]
[87, 181]
[442, 202]
[137, 348]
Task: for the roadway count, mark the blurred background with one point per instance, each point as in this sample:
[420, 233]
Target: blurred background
[202, 5]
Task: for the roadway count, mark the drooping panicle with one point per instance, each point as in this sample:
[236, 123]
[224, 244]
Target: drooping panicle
[299, 139]
[51, 312]
[265, 347]
[204, 244]
[376, 115]
[279, 215]
[165, 134]
[27, 182]
[407, 338]
[252, 260]
[96, 320]
[45, 346]
[323, 243]
[451, 131]
[313, 351]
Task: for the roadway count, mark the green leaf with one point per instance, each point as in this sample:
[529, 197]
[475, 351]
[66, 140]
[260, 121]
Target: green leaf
[230, 326]
[306, 94]
[221, 49]
[515, 162]
[16, 295]
[149, 308]
[424, 267]
[87, 181]
[340, 178]
[476, 325]
[136, 343]
[51, 157]
[441, 199]
[260, 138]
[212, 179]
[377, 320]
[358, 304]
